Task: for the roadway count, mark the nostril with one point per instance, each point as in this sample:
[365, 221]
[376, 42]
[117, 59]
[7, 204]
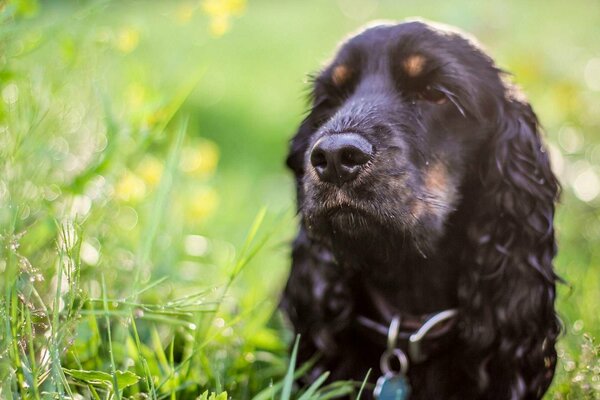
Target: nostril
[352, 156]
[318, 158]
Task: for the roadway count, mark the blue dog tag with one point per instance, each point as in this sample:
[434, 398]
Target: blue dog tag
[392, 387]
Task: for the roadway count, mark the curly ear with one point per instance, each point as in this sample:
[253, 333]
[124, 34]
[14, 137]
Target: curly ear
[318, 302]
[508, 289]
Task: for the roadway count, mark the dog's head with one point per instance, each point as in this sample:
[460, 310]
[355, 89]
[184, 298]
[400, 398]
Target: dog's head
[400, 122]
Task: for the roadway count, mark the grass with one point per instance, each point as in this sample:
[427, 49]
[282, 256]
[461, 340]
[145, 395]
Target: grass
[145, 213]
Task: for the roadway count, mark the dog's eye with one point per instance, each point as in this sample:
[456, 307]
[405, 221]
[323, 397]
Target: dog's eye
[433, 95]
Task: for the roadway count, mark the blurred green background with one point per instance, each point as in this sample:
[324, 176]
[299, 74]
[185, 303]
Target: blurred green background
[145, 211]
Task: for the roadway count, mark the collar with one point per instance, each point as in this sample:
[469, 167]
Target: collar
[418, 336]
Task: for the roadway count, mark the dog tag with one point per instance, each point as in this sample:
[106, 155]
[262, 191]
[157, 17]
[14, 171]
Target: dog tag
[392, 387]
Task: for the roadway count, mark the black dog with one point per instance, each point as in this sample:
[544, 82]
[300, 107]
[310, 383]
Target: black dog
[427, 239]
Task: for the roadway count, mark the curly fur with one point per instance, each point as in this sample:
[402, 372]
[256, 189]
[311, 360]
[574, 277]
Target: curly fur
[455, 210]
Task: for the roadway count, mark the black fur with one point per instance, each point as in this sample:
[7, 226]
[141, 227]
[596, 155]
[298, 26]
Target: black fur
[455, 210]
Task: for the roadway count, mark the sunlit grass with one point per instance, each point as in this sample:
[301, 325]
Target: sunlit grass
[104, 192]
[138, 147]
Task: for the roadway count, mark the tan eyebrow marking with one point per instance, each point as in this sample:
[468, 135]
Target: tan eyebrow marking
[413, 65]
[340, 74]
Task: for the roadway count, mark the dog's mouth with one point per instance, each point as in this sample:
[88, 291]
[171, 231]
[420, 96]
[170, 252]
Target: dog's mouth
[342, 209]
[348, 214]
[352, 204]
[345, 216]
[356, 208]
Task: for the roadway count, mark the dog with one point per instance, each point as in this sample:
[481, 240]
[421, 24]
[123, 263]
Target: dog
[426, 241]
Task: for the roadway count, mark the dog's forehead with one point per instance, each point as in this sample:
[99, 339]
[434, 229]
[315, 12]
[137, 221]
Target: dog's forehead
[412, 50]
[413, 36]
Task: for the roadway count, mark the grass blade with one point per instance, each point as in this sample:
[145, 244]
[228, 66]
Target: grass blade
[113, 367]
[364, 383]
[288, 381]
[314, 387]
[159, 206]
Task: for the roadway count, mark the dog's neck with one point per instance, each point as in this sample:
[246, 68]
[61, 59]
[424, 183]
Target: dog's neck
[401, 279]
[412, 285]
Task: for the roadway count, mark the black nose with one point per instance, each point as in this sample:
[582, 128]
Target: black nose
[338, 158]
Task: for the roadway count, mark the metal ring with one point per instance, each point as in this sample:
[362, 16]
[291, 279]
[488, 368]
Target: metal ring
[386, 357]
[393, 330]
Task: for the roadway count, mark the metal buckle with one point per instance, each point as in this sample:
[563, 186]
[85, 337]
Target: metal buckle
[393, 331]
[414, 341]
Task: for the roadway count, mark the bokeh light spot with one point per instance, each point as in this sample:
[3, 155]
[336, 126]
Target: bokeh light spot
[556, 159]
[196, 245]
[570, 139]
[89, 253]
[80, 206]
[591, 74]
[10, 93]
[127, 218]
[586, 185]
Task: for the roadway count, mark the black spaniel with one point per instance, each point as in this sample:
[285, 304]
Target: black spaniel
[426, 240]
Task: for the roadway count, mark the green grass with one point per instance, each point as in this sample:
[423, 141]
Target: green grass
[145, 213]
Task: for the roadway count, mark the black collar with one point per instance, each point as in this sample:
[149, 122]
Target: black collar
[419, 337]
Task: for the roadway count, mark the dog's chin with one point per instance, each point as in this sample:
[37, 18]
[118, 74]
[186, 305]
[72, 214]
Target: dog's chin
[347, 225]
[364, 230]
[351, 222]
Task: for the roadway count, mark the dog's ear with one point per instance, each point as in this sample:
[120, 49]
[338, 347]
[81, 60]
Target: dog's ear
[319, 304]
[508, 289]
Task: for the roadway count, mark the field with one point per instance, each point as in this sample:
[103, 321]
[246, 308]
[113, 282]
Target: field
[145, 211]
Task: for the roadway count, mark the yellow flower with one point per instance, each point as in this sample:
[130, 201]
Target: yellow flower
[219, 25]
[136, 95]
[150, 169]
[128, 39]
[185, 12]
[220, 12]
[156, 117]
[200, 159]
[130, 188]
[202, 203]
[237, 7]
[214, 7]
